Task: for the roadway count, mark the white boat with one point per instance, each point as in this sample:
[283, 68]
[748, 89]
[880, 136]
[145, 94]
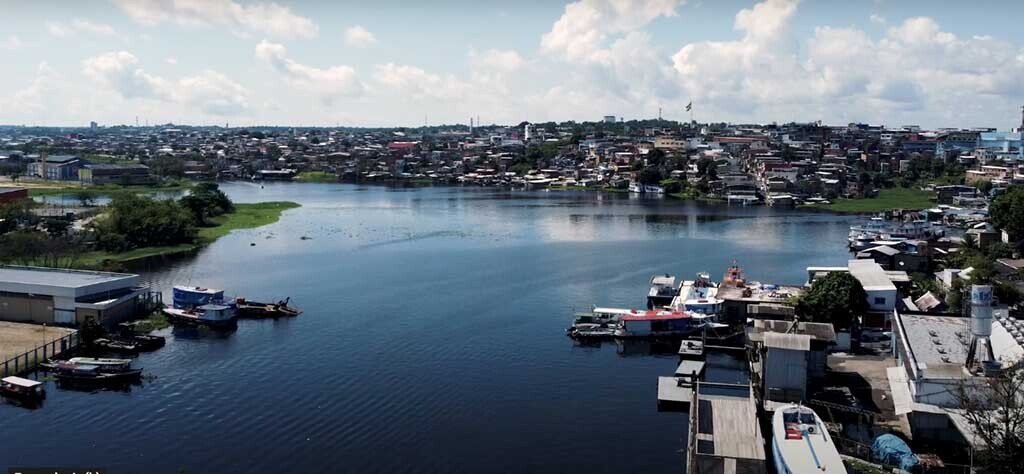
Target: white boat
[213, 315]
[663, 290]
[801, 444]
[699, 296]
[878, 228]
[100, 361]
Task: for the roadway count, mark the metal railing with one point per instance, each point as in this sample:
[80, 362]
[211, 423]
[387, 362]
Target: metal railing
[28, 360]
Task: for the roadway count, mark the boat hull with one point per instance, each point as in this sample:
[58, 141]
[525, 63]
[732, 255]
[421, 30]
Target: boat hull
[181, 317]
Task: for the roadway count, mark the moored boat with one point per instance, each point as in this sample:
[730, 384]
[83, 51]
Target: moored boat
[800, 443]
[79, 373]
[659, 323]
[212, 315]
[663, 290]
[114, 345]
[22, 389]
[255, 309]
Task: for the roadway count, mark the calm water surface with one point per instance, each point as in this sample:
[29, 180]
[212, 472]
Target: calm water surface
[432, 338]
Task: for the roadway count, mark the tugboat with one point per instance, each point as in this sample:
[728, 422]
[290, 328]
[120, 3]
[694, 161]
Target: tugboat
[22, 390]
[733, 277]
[254, 309]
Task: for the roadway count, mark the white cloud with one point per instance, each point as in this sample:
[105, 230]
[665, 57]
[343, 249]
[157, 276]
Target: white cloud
[586, 26]
[359, 37]
[417, 83]
[916, 70]
[877, 19]
[173, 61]
[268, 18]
[209, 92]
[497, 60]
[12, 43]
[329, 84]
[33, 99]
[79, 26]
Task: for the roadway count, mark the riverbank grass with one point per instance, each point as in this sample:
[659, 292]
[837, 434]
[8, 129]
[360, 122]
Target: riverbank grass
[246, 216]
[74, 189]
[887, 200]
[316, 177]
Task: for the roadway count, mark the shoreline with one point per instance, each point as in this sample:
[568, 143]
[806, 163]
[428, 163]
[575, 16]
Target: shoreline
[246, 216]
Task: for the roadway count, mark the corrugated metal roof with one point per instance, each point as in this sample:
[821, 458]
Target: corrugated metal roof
[793, 342]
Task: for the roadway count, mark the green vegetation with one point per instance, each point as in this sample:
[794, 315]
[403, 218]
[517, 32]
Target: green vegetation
[207, 201]
[156, 320]
[836, 298]
[75, 190]
[316, 177]
[246, 216]
[887, 199]
[1007, 211]
[132, 227]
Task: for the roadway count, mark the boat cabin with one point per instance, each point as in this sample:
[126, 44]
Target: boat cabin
[21, 387]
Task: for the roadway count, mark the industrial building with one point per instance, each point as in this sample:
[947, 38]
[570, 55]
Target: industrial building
[55, 167]
[58, 296]
[938, 356]
[128, 174]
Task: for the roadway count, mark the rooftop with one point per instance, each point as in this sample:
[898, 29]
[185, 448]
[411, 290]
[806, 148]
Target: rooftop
[870, 275]
[941, 342]
[58, 277]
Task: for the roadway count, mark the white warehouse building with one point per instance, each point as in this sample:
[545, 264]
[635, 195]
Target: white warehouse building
[59, 296]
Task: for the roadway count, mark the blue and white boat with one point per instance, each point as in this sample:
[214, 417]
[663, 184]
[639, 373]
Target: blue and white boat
[801, 444]
[195, 305]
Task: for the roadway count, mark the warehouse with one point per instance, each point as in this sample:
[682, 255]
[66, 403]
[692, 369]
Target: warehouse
[58, 296]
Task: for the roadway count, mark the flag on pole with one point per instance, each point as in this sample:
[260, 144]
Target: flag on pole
[689, 106]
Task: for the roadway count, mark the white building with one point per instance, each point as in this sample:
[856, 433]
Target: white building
[58, 296]
[880, 289]
[931, 354]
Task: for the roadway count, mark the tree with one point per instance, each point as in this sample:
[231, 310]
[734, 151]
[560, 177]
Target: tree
[994, 408]
[650, 176]
[56, 227]
[1007, 211]
[836, 298]
[140, 221]
[207, 200]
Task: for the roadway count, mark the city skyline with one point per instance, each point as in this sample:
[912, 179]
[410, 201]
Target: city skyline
[315, 64]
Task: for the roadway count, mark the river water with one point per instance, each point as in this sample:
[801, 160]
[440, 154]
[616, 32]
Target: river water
[432, 338]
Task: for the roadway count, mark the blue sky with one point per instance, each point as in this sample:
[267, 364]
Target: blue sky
[397, 63]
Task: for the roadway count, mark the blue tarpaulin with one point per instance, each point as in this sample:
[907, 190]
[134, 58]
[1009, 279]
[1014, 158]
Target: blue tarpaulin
[891, 450]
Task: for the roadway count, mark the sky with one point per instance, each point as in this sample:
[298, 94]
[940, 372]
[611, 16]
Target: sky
[402, 63]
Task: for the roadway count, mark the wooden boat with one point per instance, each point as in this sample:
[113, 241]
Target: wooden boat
[21, 389]
[145, 342]
[70, 372]
[114, 345]
[255, 309]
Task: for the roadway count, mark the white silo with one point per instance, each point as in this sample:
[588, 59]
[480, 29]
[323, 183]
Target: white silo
[981, 326]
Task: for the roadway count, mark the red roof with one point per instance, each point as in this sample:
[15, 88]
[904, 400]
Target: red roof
[655, 315]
